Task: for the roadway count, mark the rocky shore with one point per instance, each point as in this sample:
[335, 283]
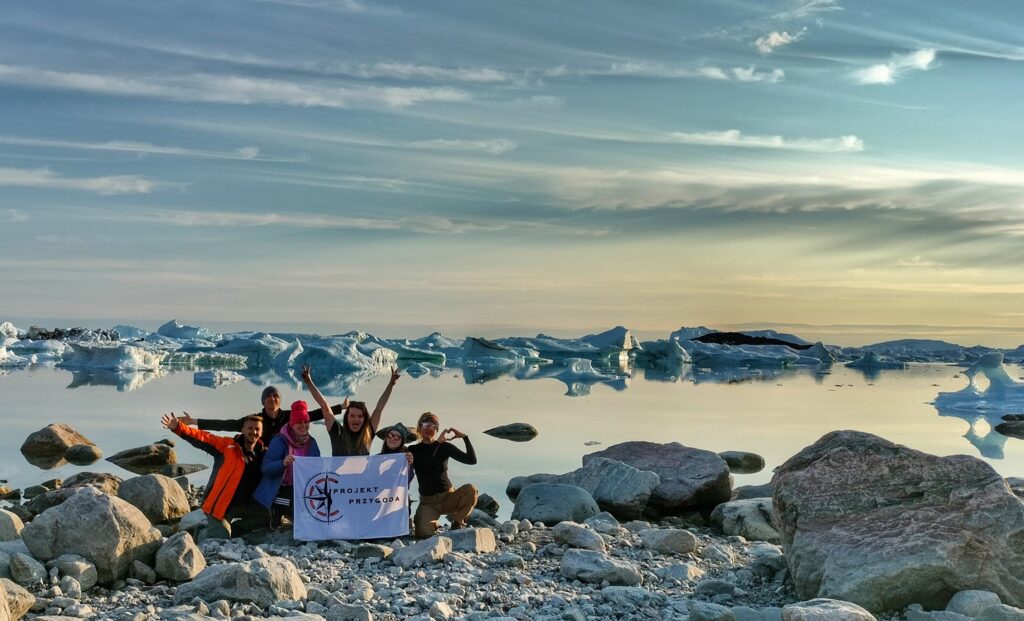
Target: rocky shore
[851, 528]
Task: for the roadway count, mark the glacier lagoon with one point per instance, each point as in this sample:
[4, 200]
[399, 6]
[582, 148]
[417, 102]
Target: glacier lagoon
[772, 412]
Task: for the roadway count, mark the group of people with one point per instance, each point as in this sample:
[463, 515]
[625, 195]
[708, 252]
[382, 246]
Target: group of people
[252, 480]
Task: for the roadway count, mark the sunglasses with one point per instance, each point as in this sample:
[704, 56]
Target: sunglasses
[428, 423]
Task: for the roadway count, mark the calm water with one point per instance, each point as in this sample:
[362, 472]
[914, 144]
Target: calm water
[775, 416]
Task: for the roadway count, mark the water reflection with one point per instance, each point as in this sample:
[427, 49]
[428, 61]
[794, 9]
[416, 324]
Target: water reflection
[123, 381]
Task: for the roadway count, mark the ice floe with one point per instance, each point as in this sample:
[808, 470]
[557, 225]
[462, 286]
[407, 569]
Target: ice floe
[1002, 395]
[918, 350]
[215, 378]
[8, 329]
[10, 359]
[175, 330]
[112, 357]
[260, 349]
[872, 361]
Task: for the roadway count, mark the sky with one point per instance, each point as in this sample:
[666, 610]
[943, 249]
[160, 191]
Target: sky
[850, 170]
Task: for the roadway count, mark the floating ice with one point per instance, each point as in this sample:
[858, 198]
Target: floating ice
[772, 334]
[618, 338]
[204, 360]
[216, 378]
[332, 355]
[1003, 394]
[175, 330]
[686, 334]
[8, 329]
[112, 357]
[10, 359]
[666, 353]
[259, 349]
[579, 375]
[43, 350]
[717, 355]
[435, 341]
[482, 350]
[419, 369]
[130, 333]
[611, 342]
[124, 381]
[874, 362]
[816, 354]
[919, 350]
[405, 350]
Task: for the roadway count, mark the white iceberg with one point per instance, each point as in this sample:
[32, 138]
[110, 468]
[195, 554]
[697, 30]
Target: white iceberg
[686, 334]
[665, 352]
[175, 330]
[719, 355]
[8, 329]
[112, 357]
[130, 333]
[216, 378]
[437, 342]
[10, 359]
[333, 354]
[612, 342]
[405, 350]
[204, 360]
[815, 355]
[419, 369]
[260, 349]
[43, 350]
[919, 350]
[1003, 394]
[616, 339]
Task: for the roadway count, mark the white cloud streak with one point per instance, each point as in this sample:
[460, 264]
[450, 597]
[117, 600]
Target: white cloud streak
[45, 178]
[493, 147]
[13, 215]
[406, 71]
[735, 138]
[645, 69]
[231, 89]
[775, 39]
[896, 67]
[242, 153]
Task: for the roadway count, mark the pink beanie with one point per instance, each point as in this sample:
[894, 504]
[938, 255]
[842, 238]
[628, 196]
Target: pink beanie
[300, 413]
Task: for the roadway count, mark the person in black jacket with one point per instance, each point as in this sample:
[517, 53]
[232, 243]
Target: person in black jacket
[274, 418]
[430, 460]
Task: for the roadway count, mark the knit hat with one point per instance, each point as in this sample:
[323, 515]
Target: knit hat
[269, 390]
[300, 413]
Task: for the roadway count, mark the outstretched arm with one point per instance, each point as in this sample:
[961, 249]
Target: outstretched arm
[383, 401]
[469, 456]
[328, 413]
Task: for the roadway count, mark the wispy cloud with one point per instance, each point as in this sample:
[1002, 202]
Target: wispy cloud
[45, 178]
[13, 215]
[231, 89]
[406, 71]
[916, 261]
[241, 153]
[775, 39]
[646, 69]
[735, 138]
[896, 67]
[494, 147]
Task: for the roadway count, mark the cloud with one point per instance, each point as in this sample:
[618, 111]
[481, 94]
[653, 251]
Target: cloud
[494, 147]
[917, 261]
[232, 89]
[801, 9]
[242, 153]
[645, 69]
[13, 215]
[45, 178]
[405, 71]
[896, 67]
[750, 74]
[775, 39]
[734, 138]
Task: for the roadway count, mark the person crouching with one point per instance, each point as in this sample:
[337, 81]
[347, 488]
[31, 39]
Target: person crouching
[276, 490]
[430, 460]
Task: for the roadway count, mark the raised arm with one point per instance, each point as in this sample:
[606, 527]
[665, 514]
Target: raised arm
[202, 440]
[325, 409]
[214, 424]
[469, 456]
[383, 401]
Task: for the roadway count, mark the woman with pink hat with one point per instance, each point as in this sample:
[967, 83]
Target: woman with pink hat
[276, 489]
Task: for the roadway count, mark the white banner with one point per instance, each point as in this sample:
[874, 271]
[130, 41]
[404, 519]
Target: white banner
[351, 497]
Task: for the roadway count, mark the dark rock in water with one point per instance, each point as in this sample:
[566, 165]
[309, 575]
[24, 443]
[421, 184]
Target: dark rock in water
[746, 492]
[22, 512]
[738, 338]
[83, 454]
[49, 444]
[878, 524]
[7, 493]
[1013, 429]
[46, 486]
[487, 504]
[517, 432]
[50, 499]
[145, 459]
[181, 470]
[105, 482]
[690, 477]
[743, 462]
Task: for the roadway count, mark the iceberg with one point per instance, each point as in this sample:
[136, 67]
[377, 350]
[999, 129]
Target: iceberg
[407, 351]
[579, 375]
[42, 350]
[175, 330]
[260, 349]
[216, 378]
[9, 330]
[112, 357]
[130, 333]
[1002, 396]
[437, 342]
[609, 343]
[687, 334]
[333, 354]
[616, 339]
[719, 355]
[204, 360]
[874, 362]
[10, 359]
[124, 381]
[665, 353]
[919, 350]
[419, 369]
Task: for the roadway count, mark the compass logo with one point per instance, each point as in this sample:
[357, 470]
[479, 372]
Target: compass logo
[318, 497]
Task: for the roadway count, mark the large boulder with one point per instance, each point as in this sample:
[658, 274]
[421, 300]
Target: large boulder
[83, 454]
[593, 566]
[690, 477]
[105, 530]
[751, 518]
[825, 610]
[103, 481]
[77, 567]
[50, 499]
[19, 600]
[743, 462]
[158, 497]
[179, 558]
[263, 582]
[871, 522]
[552, 503]
[424, 552]
[145, 459]
[616, 487]
[10, 526]
[517, 432]
[52, 441]
[5, 610]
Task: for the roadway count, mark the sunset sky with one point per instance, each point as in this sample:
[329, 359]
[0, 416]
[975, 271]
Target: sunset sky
[845, 170]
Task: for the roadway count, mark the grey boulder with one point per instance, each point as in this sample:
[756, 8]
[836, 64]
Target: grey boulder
[972, 603]
[689, 477]
[576, 536]
[750, 518]
[107, 531]
[77, 567]
[871, 522]
[158, 497]
[27, 571]
[824, 609]
[263, 582]
[19, 600]
[1001, 612]
[743, 462]
[423, 552]
[475, 540]
[179, 558]
[592, 566]
[517, 432]
[83, 454]
[10, 526]
[145, 459]
[552, 503]
[103, 481]
[668, 540]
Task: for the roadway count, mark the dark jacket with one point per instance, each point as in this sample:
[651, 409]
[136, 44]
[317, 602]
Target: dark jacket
[431, 464]
[271, 426]
[234, 468]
